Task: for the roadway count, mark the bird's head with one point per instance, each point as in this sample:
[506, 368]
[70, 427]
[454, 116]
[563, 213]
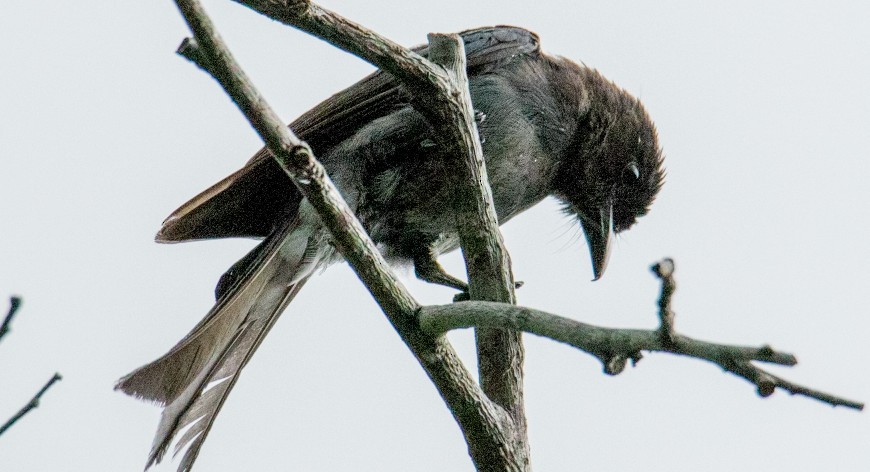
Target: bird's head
[612, 171]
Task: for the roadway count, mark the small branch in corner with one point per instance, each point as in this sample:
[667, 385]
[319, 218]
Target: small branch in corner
[33, 403]
[14, 305]
[765, 382]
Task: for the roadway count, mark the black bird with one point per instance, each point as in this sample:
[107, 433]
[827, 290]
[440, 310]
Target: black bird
[549, 127]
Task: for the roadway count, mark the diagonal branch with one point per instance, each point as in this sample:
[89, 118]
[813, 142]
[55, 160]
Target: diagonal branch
[14, 305]
[487, 429]
[32, 404]
[500, 352]
[614, 347]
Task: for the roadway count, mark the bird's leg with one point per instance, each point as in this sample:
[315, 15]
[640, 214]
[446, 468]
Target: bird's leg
[427, 268]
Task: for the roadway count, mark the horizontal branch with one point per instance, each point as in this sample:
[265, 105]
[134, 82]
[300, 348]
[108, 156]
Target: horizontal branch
[603, 343]
[615, 347]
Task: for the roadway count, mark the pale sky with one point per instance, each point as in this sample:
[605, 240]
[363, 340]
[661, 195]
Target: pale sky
[763, 114]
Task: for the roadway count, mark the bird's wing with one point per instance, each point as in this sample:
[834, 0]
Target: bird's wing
[249, 202]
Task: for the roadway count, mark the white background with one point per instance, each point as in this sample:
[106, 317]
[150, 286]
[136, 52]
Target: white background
[763, 113]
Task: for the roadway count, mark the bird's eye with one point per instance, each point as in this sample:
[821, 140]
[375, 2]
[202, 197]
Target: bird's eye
[631, 173]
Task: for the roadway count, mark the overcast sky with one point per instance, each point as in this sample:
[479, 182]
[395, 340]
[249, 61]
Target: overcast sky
[763, 112]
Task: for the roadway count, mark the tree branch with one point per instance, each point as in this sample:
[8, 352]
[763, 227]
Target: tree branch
[487, 428]
[14, 305]
[33, 403]
[614, 347]
[441, 95]
[415, 71]
[500, 352]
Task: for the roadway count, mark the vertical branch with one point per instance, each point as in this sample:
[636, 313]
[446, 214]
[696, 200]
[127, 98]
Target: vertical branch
[664, 270]
[500, 351]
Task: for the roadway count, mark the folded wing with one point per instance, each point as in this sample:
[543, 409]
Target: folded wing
[249, 202]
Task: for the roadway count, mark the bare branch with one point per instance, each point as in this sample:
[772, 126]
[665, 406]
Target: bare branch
[603, 343]
[500, 352]
[767, 383]
[413, 70]
[33, 403]
[664, 270]
[614, 347]
[14, 305]
[487, 428]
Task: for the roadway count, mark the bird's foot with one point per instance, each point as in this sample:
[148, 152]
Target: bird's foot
[463, 296]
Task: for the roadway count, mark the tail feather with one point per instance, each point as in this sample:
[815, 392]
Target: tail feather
[195, 377]
[200, 413]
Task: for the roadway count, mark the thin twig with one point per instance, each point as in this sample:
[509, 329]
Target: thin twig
[14, 305]
[664, 270]
[33, 403]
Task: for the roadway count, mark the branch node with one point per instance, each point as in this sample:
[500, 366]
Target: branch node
[664, 268]
[765, 351]
[615, 364]
[766, 386]
[190, 50]
[297, 8]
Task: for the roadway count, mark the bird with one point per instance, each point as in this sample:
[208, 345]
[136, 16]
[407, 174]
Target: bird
[549, 127]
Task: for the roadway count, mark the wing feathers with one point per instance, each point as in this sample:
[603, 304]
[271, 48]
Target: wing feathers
[246, 202]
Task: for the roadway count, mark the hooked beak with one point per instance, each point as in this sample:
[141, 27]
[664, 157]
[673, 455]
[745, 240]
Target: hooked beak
[597, 227]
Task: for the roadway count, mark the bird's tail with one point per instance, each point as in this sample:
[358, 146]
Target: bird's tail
[194, 378]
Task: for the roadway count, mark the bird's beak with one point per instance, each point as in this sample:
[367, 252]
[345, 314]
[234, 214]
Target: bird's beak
[597, 227]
